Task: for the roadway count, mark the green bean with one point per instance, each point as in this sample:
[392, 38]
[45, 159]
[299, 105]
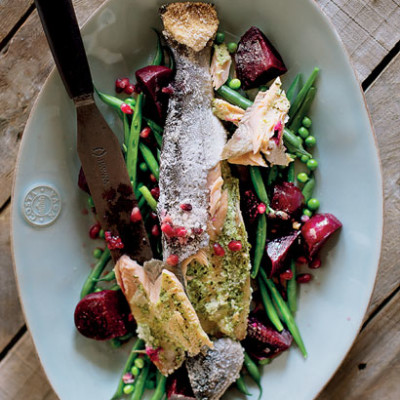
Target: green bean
[108, 278]
[291, 173]
[158, 57]
[265, 361]
[126, 131]
[150, 160]
[272, 175]
[286, 314]
[292, 289]
[160, 388]
[141, 201]
[115, 287]
[308, 188]
[295, 124]
[294, 143]
[139, 344]
[140, 382]
[112, 101]
[302, 94]
[241, 385]
[234, 97]
[253, 371]
[258, 184]
[158, 155]
[151, 201]
[259, 249]
[269, 307]
[294, 88]
[98, 269]
[133, 141]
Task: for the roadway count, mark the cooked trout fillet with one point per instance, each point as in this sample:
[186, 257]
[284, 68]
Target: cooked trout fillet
[193, 137]
[165, 317]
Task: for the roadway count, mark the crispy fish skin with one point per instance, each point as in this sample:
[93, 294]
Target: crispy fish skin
[193, 137]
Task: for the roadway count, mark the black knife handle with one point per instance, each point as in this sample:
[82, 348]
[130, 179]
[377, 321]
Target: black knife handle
[65, 41]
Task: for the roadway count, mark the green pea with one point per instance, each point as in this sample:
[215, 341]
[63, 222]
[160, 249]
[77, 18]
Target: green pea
[135, 371]
[304, 158]
[98, 290]
[143, 167]
[150, 384]
[302, 177]
[307, 122]
[313, 204]
[310, 141]
[220, 37]
[90, 202]
[101, 234]
[312, 164]
[139, 363]
[115, 343]
[128, 389]
[235, 84]
[97, 253]
[303, 132]
[307, 212]
[232, 47]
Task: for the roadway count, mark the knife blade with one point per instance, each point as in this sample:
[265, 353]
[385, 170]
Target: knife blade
[98, 148]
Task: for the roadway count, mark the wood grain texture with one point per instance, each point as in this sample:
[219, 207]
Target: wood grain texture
[371, 370]
[11, 12]
[369, 29]
[10, 311]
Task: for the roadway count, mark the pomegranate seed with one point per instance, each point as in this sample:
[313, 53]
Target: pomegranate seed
[261, 208]
[303, 278]
[168, 230]
[235, 245]
[128, 378]
[301, 260]
[315, 264]
[153, 215]
[186, 207]
[218, 250]
[153, 354]
[153, 178]
[121, 84]
[167, 90]
[145, 133]
[287, 275]
[172, 260]
[136, 216]
[129, 89]
[94, 231]
[197, 231]
[155, 230]
[180, 231]
[304, 218]
[155, 192]
[126, 109]
[113, 242]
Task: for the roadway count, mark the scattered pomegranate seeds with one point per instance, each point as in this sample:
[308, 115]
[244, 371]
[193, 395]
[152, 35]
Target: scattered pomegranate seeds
[261, 208]
[121, 84]
[235, 245]
[180, 231]
[145, 133]
[304, 278]
[113, 242]
[136, 216]
[218, 250]
[130, 88]
[94, 231]
[186, 207]
[153, 215]
[315, 264]
[301, 260]
[287, 275]
[153, 178]
[155, 230]
[155, 192]
[172, 260]
[168, 230]
[126, 109]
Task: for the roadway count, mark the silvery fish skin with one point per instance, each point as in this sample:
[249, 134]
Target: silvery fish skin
[193, 137]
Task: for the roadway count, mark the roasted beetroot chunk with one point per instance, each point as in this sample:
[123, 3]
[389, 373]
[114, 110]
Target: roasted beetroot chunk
[151, 80]
[264, 341]
[103, 315]
[278, 250]
[287, 198]
[82, 182]
[317, 230]
[178, 386]
[257, 60]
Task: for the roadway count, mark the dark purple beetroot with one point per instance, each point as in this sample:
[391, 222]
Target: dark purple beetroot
[103, 315]
[317, 230]
[287, 198]
[151, 80]
[277, 252]
[82, 182]
[178, 386]
[264, 341]
[257, 60]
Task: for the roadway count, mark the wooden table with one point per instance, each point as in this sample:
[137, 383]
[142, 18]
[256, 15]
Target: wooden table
[370, 30]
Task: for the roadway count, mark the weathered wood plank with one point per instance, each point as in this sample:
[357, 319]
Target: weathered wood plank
[21, 375]
[10, 311]
[369, 29]
[372, 368]
[24, 65]
[11, 12]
